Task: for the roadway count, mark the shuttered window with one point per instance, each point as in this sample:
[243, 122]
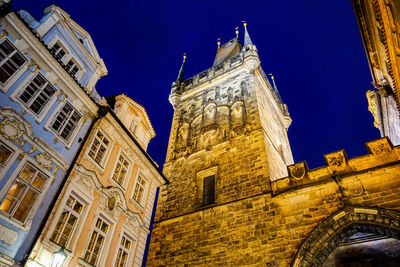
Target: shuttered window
[209, 190]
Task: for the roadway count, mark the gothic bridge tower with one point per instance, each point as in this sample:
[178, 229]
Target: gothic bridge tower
[231, 202]
[228, 137]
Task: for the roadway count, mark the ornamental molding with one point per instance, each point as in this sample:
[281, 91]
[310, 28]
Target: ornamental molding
[372, 107]
[88, 182]
[298, 171]
[11, 130]
[9, 116]
[337, 161]
[3, 33]
[44, 161]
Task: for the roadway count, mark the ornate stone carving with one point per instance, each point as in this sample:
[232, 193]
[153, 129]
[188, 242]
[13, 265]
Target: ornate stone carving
[237, 114]
[11, 130]
[329, 194]
[3, 33]
[337, 159]
[34, 64]
[243, 88]
[298, 170]
[209, 114]
[44, 160]
[354, 187]
[380, 146]
[55, 173]
[372, 107]
[183, 134]
[111, 203]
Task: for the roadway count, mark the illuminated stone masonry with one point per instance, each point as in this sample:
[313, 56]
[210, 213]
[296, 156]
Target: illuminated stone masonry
[227, 203]
[303, 218]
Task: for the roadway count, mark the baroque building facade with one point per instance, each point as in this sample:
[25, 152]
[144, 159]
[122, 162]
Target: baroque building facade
[102, 217]
[48, 72]
[74, 172]
[235, 197]
[379, 24]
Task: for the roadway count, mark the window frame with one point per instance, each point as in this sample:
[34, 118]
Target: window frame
[200, 176]
[135, 128]
[141, 203]
[130, 258]
[15, 75]
[209, 201]
[106, 241]
[106, 153]
[11, 159]
[61, 48]
[53, 118]
[76, 191]
[81, 219]
[15, 96]
[4, 192]
[128, 171]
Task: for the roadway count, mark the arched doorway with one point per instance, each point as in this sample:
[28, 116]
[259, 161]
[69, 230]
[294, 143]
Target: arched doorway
[341, 226]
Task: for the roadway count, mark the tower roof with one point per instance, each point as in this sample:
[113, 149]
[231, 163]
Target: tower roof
[247, 40]
[181, 74]
[227, 51]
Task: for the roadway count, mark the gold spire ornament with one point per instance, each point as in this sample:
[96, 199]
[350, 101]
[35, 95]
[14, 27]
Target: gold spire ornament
[237, 32]
[244, 23]
[184, 57]
[219, 42]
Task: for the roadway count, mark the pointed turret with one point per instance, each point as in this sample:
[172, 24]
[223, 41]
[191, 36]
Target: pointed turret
[275, 87]
[181, 76]
[247, 40]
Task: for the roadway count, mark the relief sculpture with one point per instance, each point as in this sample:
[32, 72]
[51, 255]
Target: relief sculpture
[183, 134]
[237, 114]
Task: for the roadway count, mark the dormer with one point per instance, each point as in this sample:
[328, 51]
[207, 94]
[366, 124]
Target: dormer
[70, 44]
[134, 117]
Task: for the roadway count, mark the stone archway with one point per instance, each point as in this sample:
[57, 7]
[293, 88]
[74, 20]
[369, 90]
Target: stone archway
[339, 226]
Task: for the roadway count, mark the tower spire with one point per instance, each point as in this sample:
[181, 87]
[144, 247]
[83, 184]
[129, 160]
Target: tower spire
[275, 87]
[237, 32]
[181, 75]
[247, 40]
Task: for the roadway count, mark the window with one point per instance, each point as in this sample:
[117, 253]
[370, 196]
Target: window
[67, 222]
[10, 60]
[96, 242]
[71, 67]
[99, 147]
[120, 170]
[5, 154]
[57, 51]
[123, 252]
[209, 190]
[133, 127]
[139, 189]
[24, 193]
[66, 121]
[37, 94]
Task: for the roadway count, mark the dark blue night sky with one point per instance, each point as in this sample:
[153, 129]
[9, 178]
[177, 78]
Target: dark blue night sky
[313, 48]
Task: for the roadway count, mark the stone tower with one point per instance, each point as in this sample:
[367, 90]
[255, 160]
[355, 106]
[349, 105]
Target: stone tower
[230, 124]
[231, 202]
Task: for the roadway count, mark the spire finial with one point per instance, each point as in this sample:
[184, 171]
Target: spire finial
[274, 85]
[237, 32]
[181, 73]
[247, 40]
[219, 42]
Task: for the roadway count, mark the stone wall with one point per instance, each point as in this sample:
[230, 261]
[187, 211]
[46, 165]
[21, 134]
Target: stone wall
[270, 228]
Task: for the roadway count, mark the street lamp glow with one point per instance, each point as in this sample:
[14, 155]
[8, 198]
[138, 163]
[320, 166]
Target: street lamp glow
[58, 257]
